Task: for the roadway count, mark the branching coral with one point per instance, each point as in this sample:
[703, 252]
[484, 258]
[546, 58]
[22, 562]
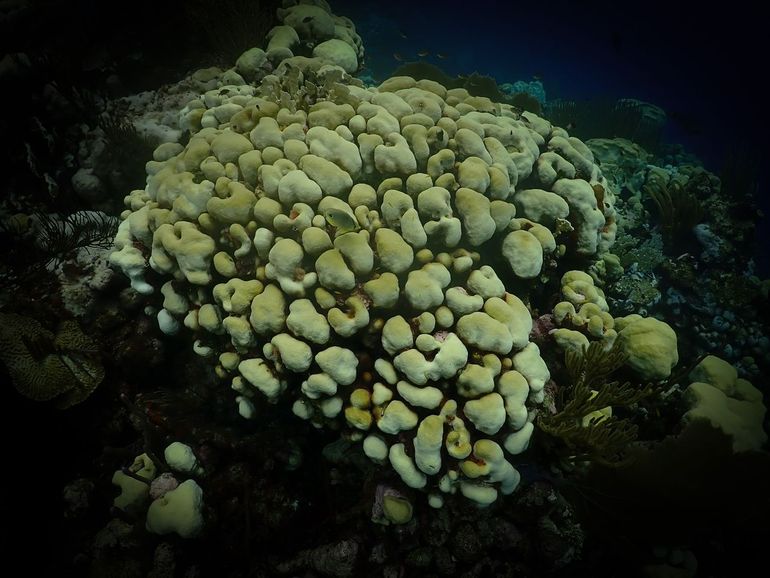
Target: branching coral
[585, 429]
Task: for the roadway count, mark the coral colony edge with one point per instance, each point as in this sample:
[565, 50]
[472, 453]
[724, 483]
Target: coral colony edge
[296, 321]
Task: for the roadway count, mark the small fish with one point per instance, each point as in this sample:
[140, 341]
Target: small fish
[402, 35]
[423, 53]
[307, 19]
[571, 124]
[439, 55]
[537, 77]
[398, 57]
[341, 220]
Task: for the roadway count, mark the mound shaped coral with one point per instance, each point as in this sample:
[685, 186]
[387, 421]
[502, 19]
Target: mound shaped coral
[350, 249]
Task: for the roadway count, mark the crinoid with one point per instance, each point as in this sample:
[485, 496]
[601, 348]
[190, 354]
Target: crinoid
[679, 210]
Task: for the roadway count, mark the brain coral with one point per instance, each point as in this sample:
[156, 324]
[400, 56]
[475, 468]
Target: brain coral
[63, 367]
[348, 250]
